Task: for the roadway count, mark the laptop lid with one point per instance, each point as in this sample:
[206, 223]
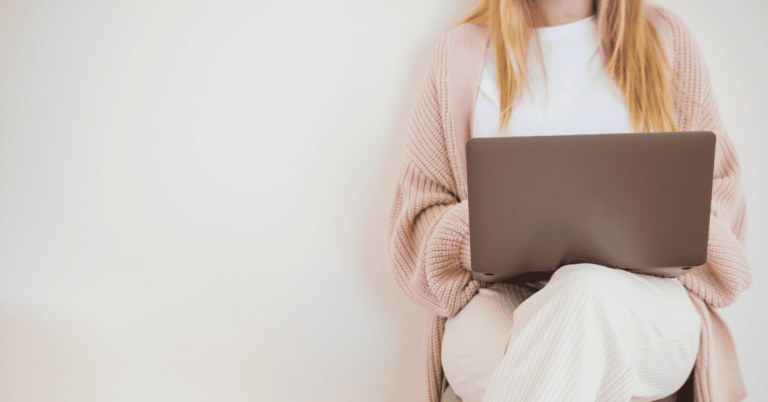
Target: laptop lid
[635, 201]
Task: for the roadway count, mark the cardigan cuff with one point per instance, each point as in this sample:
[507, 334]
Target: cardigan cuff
[464, 253]
[451, 238]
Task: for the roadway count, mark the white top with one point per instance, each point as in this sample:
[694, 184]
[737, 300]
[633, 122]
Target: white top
[577, 97]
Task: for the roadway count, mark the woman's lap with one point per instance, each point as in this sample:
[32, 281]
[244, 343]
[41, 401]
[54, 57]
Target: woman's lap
[473, 342]
[652, 317]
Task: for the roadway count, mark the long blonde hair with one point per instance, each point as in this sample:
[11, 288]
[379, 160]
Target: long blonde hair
[635, 55]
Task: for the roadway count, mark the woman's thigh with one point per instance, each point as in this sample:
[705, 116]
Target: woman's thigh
[473, 342]
[652, 317]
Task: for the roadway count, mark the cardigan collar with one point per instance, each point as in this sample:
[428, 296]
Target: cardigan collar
[464, 74]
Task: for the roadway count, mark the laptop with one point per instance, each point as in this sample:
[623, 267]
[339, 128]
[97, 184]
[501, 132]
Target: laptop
[634, 201]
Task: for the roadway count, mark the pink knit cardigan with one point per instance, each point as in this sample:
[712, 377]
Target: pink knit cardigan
[428, 226]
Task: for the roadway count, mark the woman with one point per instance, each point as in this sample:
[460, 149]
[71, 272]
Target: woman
[519, 67]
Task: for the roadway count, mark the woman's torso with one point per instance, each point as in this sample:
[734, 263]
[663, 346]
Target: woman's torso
[566, 92]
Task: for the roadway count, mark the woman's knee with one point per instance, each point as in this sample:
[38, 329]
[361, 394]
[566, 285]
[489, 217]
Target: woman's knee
[587, 277]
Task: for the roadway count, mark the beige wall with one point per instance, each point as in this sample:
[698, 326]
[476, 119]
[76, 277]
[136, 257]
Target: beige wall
[193, 194]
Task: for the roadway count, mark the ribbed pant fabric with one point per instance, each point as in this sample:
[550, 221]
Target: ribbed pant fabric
[590, 334]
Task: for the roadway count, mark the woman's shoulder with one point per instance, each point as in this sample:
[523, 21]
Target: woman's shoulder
[467, 30]
[462, 40]
[672, 30]
[663, 18]
[683, 52]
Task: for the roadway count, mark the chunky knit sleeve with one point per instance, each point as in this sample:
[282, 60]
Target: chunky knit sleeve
[726, 272]
[428, 227]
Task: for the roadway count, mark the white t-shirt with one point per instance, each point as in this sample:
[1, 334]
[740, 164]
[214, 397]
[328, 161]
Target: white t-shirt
[577, 97]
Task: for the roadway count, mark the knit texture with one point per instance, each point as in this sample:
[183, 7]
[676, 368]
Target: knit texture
[428, 252]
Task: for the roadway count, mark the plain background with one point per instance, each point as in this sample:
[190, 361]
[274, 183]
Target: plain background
[193, 194]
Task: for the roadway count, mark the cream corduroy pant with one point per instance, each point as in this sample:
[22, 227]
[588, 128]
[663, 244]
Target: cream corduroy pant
[591, 334]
